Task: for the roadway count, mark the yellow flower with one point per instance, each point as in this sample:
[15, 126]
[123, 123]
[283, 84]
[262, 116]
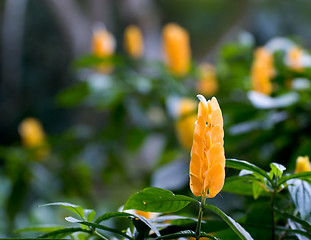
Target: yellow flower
[207, 84]
[207, 165]
[289, 83]
[103, 45]
[176, 48]
[294, 57]
[144, 214]
[33, 137]
[148, 215]
[302, 164]
[133, 41]
[262, 71]
[186, 120]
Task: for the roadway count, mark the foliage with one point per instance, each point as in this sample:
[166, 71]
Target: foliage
[134, 138]
[164, 201]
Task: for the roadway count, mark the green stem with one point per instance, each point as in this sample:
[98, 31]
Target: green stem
[198, 230]
[272, 214]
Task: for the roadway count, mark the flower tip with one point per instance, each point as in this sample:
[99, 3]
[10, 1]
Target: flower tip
[202, 98]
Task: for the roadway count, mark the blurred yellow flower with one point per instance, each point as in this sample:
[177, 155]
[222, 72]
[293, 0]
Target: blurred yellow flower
[207, 165]
[289, 83]
[294, 59]
[302, 164]
[148, 215]
[262, 71]
[185, 123]
[176, 48]
[33, 137]
[133, 41]
[207, 84]
[103, 45]
[144, 214]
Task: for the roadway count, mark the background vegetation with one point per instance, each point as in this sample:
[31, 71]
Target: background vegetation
[108, 136]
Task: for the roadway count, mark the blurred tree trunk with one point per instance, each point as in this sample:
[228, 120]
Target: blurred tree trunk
[230, 33]
[12, 38]
[75, 26]
[100, 11]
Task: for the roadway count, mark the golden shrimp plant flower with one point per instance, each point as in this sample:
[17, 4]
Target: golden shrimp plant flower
[103, 45]
[302, 164]
[176, 48]
[133, 41]
[207, 84]
[207, 165]
[185, 123]
[262, 71]
[294, 59]
[33, 137]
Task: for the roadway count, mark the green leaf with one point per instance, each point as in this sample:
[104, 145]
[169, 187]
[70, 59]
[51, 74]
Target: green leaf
[258, 214]
[239, 185]
[235, 226]
[133, 216]
[89, 214]
[72, 207]
[102, 227]
[154, 199]
[214, 226]
[170, 218]
[42, 228]
[93, 61]
[303, 223]
[303, 175]
[63, 233]
[108, 98]
[186, 233]
[257, 189]
[240, 164]
[109, 215]
[300, 192]
[72, 220]
[276, 170]
[242, 185]
[73, 96]
[297, 231]
[31, 238]
[278, 228]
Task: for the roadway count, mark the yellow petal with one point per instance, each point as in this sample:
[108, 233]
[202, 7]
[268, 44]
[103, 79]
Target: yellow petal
[216, 155]
[217, 118]
[195, 165]
[214, 180]
[217, 135]
[196, 185]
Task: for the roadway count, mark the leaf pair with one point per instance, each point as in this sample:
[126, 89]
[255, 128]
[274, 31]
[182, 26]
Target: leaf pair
[159, 200]
[261, 180]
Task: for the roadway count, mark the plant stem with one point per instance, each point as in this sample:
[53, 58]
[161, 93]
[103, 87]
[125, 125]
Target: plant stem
[272, 213]
[198, 230]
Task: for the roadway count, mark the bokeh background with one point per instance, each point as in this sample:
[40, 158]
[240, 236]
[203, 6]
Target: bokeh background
[107, 143]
